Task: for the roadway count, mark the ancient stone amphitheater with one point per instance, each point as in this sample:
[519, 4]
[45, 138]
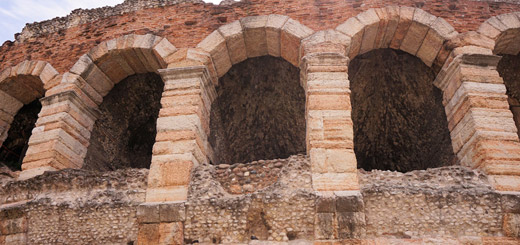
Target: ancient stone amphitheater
[264, 122]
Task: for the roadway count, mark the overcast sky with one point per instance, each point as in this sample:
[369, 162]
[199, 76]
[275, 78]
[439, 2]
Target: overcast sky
[14, 14]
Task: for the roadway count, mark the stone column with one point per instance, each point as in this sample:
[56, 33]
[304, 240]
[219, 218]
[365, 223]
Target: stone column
[482, 128]
[329, 124]
[181, 144]
[62, 132]
[339, 204]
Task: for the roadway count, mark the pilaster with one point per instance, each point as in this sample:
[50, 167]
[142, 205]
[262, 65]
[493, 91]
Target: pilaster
[482, 128]
[329, 123]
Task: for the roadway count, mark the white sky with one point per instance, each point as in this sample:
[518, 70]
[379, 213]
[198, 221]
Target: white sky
[14, 14]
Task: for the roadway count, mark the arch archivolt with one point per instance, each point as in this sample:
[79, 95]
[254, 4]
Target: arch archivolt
[22, 84]
[504, 32]
[322, 56]
[275, 35]
[70, 107]
[409, 29]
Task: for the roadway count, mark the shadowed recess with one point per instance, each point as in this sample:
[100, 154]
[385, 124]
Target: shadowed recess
[14, 147]
[399, 119]
[124, 134]
[259, 112]
[509, 70]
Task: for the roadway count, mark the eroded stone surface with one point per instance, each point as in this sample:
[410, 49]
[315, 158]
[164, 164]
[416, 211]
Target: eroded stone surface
[449, 201]
[124, 135]
[215, 216]
[77, 206]
[399, 119]
[259, 112]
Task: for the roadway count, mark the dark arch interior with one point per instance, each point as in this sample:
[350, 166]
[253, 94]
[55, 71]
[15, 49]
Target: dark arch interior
[124, 135]
[259, 112]
[399, 119]
[509, 70]
[14, 147]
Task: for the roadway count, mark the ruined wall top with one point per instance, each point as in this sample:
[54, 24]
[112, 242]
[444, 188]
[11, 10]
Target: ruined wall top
[84, 16]
[185, 23]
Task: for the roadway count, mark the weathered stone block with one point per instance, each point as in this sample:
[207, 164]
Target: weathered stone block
[215, 44]
[148, 213]
[325, 202]
[324, 226]
[20, 238]
[172, 212]
[405, 21]
[272, 29]
[335, 181]
[255, 35]
[512, 224]
[511, 203]
[291, 35]
[351, 224]
[347, 201]
[175, 173]
[148, 234]
[171, 233]
[167, 194]
[235, 41]
[9, 104]
[371, 20]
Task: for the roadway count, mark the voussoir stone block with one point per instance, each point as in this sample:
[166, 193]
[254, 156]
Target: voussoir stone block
[215, 44]
[273, 29]
[163, 49]
[235, 41]
[417, 31]
[405, 21]
[255, 35]
[370, 20]
[291, 35]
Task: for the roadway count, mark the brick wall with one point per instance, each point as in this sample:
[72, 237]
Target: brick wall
[186, 24]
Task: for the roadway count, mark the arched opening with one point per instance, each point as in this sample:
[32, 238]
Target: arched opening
[399, 120]
[509, 70]
[124, 134]
[13, 149]
[259, 112]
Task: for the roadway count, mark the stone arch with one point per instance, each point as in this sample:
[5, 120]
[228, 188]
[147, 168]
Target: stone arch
[412, 30]
[112, 61]
[20, 85]
[237, 46]
[73, 103]
[504, 32]
[407, 29]
[254, 36]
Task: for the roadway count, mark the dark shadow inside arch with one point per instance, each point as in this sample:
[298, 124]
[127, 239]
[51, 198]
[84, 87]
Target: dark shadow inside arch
[399, 120]
[509, 70]
[124, 134]
[259, 112]
[14, 147]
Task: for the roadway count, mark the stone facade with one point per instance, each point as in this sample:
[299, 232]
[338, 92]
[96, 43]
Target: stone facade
[320, 197]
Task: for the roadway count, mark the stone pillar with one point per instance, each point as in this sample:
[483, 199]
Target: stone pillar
[482, 128]
[329, 124]
[61, 134]
[330, 145]
[181, 144]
